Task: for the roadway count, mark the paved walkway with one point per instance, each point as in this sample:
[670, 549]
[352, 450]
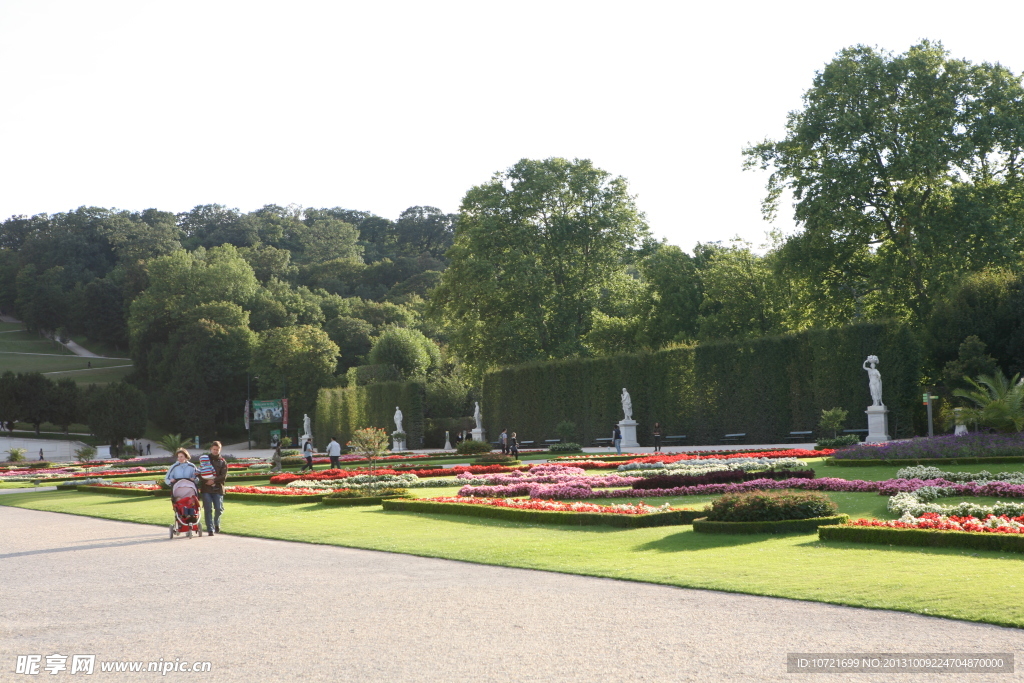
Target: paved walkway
[262, 610]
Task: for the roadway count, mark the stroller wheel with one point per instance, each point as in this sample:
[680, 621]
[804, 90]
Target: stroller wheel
[199, 532]
[190, 533]
[172, 532]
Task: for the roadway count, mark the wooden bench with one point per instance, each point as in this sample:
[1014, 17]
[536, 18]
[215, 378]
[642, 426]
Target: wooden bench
[603, 441]
[800, 436]
[677, 439]
[734, 438]
[551, 442]
[523, 444]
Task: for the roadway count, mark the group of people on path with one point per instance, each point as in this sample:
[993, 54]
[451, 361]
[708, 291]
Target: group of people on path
[509, 444]
[209, 477]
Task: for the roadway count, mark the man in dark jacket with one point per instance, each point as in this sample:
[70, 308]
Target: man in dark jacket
[212, 490]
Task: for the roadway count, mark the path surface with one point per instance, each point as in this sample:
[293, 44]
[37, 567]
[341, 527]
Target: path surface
[262, 610]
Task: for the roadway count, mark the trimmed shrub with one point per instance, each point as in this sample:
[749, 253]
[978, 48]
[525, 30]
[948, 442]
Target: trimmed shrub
[771, 506]
[927, 538]
[788, 526]
[837, 442]
[473, 447]
[545, 517]
[766, 387]
[340, 412]
[669, 481]
[567, 447]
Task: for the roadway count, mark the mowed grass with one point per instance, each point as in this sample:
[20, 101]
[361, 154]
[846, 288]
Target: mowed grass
[103, 371]
[962, 584]
[13, 339]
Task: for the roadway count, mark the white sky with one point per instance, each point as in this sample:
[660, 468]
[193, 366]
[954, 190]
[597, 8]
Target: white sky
[383, 105]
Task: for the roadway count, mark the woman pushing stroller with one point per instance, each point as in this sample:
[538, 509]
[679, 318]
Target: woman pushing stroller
[183, 477]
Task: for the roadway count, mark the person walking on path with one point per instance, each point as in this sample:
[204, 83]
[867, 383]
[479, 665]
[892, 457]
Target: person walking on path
[503, 440]
[334, 451]
[513, 445]
[277, 459]
[307, 452]
[212, 490]
[617, 439]
[183, 469]
[147, 449]
[657, 436]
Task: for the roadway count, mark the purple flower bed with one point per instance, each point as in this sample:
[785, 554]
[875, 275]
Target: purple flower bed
[976, 445]
[668, 481]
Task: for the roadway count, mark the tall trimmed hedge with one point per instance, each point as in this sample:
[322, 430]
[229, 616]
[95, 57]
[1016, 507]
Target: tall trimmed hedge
[764, 387]
[341, 411]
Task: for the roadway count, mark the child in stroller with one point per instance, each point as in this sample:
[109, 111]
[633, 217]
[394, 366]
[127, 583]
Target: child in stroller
[181, 477]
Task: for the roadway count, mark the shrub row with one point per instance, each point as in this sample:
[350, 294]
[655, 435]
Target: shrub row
[115, 491]
[927, 538]
[340, 412]
[788, 526]
[365, 500]
[771, 506]
[545, 517]
[765, 387]
[671, 481]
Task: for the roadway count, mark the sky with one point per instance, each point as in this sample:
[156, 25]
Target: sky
[383, 105]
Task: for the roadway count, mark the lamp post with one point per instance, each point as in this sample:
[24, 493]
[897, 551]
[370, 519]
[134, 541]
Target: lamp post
[248, 406]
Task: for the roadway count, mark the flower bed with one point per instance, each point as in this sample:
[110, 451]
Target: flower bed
[977, 445]
[122, 488]
[272, 494]
[927, 538]
[786, 453]
[632, 516]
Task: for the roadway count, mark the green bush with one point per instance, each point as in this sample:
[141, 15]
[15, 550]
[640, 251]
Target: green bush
[85, 453]
[472, 447]
[16, 455]
[566, 431]
[566, 447]
[770, 506]
[544, 517]
[927, 538]
[837, 442]
[788, 526]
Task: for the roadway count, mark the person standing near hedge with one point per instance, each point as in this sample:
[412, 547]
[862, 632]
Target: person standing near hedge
[334, 451]
[657, 436]
[503, 440]
[277, 459]
[617, 439]
[307, 452]
[212, 490]
[513, 445]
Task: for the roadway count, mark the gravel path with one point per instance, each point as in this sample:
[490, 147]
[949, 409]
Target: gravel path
[262, 610]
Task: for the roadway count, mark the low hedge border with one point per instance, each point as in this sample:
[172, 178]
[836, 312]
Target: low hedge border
[903, 462]
[789, 526]
[503, 463]
[368, 500]
[924, 538]
[114, 490]
[544, 517]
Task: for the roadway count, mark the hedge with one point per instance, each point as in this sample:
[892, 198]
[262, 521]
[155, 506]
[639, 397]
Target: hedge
[544, 516]
[367, 500]
[789, 526]
[765, 387]
[340, 412]
[928, 538]
[434, 429]
[904, 462]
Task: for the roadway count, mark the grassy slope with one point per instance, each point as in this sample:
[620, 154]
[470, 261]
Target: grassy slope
[57, 361]
[925, 581]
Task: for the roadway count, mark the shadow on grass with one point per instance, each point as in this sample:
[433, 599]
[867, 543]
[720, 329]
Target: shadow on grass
[911, 549]
[501, 523]
[690, 540]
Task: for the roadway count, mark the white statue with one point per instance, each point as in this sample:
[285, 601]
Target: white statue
[627, 404]
[874, 380]
[306, 429]
[476, 415]
[398, 420]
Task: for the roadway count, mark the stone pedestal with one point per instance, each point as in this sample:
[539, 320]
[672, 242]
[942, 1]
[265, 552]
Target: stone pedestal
[397, 443]
[878, 424]
[447, 442]
[628, 429]
[478, 434]
[961, 430]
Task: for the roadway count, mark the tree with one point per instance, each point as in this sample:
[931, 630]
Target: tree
[9, 408]
[115, 412]
[973, 362]
[32, 396]
[299, 359]
[425, 229]
[742, 297]
[65, 399]
[905, 169]
[999, 401]
[353, 337]
[533, 248]
[329, 239]
[408, 350]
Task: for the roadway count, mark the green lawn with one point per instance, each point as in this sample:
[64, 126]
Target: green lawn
[961, 584]
[23, 351]
[884, 472]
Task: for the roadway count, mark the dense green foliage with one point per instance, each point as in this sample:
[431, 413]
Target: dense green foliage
[771, 506]
[764, 387]
[927, 538]
[34, 398]
[473, 447]
[342, 411]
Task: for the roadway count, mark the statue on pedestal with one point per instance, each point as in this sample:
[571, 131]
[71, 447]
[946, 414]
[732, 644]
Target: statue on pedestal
[307, 430]
[874, 380]
[398, 419]
[627, 405]
[476, 415]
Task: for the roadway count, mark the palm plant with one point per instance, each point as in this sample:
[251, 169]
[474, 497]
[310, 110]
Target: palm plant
[999, 401]
[172, 442]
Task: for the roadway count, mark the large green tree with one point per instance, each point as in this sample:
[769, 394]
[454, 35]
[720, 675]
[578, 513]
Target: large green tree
[115, 412]
[295, 361]
[533, 248]
[904, 170]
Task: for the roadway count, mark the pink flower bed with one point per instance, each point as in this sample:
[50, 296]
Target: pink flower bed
[127, 485]
[787, 453]
[992, 524]
[551, 506]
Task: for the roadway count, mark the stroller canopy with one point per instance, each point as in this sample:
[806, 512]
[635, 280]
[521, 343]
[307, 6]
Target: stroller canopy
[183, 488]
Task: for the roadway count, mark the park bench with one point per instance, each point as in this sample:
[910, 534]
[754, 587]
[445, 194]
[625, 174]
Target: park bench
[524, 444]
[734, 438]
[858, 432]
[673, 440]
[552, 442]
[800, 436]
[603, 441]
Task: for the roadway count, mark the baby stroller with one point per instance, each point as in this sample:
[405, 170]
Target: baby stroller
[185, 500]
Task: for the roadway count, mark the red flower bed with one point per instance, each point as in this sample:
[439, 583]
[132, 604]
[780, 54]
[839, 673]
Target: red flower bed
[936, 522]
[639, 508]
[274, 491]
[127, 485]
[788, 453]
[288, 477]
